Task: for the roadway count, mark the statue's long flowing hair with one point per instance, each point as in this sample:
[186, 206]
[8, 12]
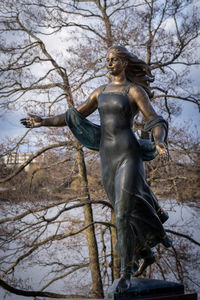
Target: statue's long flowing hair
[137, 71]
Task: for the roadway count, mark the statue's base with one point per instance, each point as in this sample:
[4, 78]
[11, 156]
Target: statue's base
[150, 289]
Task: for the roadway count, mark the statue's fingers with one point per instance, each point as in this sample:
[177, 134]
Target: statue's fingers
[23, 120]
[26, 123]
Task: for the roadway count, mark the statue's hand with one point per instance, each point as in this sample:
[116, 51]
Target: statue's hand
[32, 121]
[162, 149]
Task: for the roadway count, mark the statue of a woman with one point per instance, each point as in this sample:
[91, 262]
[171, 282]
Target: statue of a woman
[138, 216]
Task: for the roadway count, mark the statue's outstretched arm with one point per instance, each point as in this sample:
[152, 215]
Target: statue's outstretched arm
[34, 121]
[86, 108]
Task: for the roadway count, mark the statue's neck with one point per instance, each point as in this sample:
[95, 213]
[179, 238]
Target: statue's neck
[120, 79]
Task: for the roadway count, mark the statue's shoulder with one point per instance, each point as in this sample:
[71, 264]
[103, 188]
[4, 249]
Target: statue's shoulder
[94, 95]
[136, 89]
[101, 88]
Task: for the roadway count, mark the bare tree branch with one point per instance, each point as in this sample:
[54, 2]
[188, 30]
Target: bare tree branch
[16, 291]
[183, 235]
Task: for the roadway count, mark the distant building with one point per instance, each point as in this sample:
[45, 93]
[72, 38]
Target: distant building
[17, 159]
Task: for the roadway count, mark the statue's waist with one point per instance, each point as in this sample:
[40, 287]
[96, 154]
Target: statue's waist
[115, 127]
[121, 140]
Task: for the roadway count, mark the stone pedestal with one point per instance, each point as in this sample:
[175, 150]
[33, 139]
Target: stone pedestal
[151, 289]
[175, 297]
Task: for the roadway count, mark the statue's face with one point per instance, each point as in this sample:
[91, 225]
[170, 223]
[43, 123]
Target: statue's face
[114, 63]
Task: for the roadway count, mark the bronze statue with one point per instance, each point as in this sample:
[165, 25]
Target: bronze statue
[138, 216]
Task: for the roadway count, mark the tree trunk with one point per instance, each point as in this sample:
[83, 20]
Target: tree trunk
[97, 286]
[114, 253]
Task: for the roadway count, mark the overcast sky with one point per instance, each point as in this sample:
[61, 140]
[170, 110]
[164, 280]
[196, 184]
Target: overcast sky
[10, 126]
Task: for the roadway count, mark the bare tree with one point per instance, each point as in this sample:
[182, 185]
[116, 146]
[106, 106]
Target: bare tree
[51, 58]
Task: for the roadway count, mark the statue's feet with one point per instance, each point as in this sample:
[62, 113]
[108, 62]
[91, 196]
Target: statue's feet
[146, 262]
[123, 284]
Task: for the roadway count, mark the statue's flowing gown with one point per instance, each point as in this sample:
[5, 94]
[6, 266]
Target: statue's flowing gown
[138, 216]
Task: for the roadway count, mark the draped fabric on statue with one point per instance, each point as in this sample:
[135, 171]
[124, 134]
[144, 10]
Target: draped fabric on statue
[89, 134]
